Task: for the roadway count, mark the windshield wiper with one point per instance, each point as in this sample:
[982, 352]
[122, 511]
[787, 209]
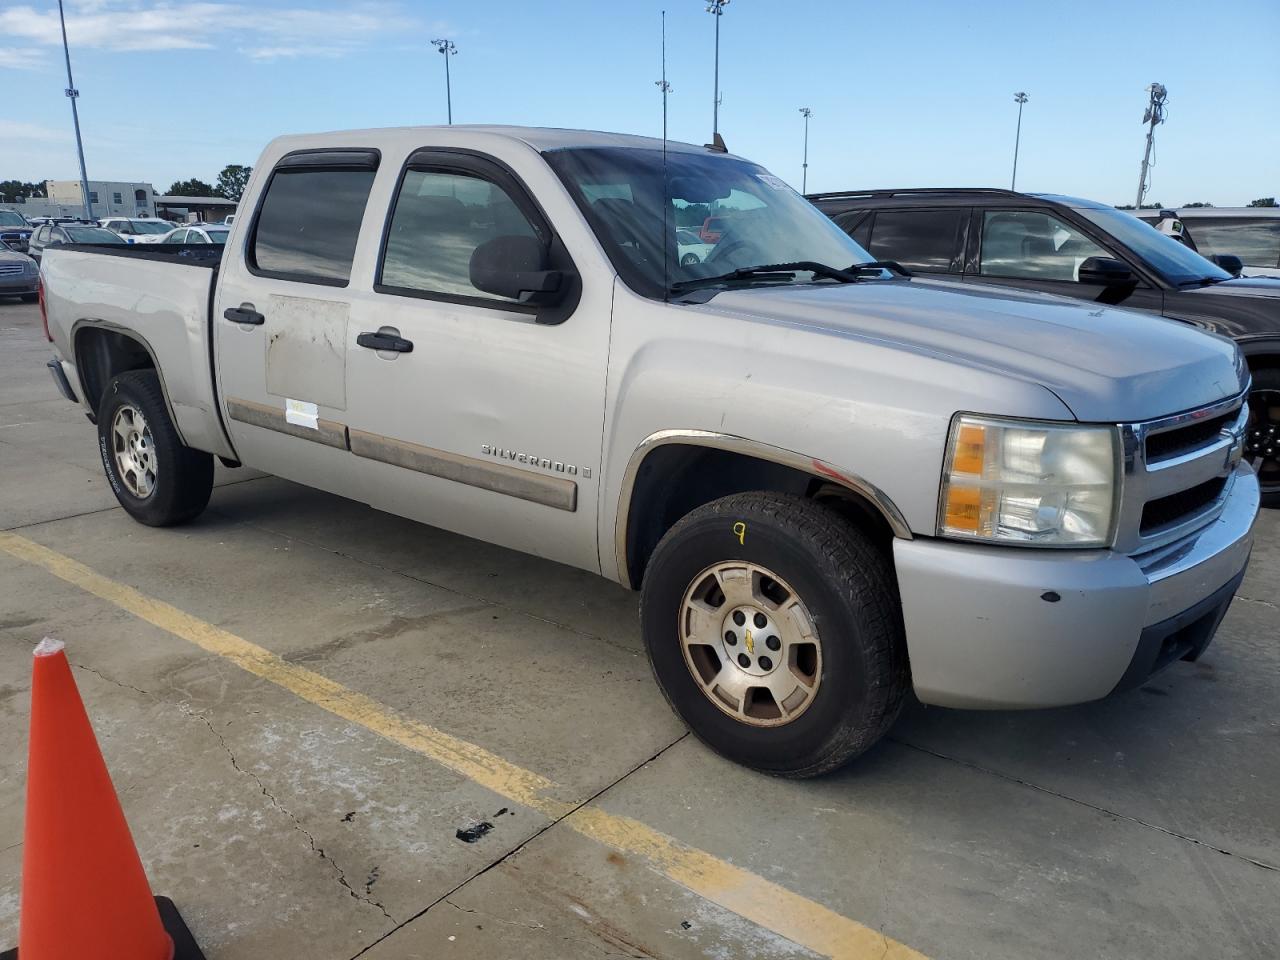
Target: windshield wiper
[771, 271]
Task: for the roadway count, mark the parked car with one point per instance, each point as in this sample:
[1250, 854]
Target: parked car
[137, 229]
[14, 230]
[690, 246]
[830, 486]
[18, 274]
[56, 234]
[1250, 233]
[1082, 249]
[198, 233]
[229, 219]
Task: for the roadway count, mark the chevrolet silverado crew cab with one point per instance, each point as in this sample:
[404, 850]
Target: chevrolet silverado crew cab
[831, 484]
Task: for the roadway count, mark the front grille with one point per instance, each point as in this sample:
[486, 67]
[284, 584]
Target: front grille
[1181, 506]
[12, 269]
[1173, 443]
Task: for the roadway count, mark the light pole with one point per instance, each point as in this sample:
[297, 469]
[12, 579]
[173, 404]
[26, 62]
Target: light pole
[804, 177]
[1155, 114]
[447, 49]
[716, 9]
[1017, 139]
[662, 84]
[72, 95]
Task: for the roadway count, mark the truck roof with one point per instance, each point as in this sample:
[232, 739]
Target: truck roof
[539, 138]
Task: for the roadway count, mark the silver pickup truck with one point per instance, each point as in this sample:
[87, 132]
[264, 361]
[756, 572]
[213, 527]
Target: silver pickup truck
[832, 483]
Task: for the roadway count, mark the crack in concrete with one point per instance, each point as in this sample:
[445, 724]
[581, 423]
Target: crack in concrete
[540, 926]
[119, 683]
[519, 847]
[340, 874]
[1265, 603]
[1261, 864]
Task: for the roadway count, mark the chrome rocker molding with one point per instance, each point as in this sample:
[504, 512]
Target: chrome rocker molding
[554, 492]
[760, 451]
[328, 432]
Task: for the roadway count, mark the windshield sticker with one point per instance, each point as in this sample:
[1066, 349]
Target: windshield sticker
[770, 180]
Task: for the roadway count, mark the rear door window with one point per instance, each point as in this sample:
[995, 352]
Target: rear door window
[309, 223]
[924, 240]
[1033, 245]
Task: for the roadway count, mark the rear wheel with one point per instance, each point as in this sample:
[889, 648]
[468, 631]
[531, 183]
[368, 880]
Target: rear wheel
[157, 479]
[1262, 440]
[774, 629]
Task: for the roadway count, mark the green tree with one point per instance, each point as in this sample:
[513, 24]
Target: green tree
[1197, 204]
[1264, 202]
[192, 188]
[11, 190]
[232, 181]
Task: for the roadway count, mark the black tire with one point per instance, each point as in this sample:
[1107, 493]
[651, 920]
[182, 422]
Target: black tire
[689, 259]
[30, 298]
[847, 584]
[1264, 433]
[183, 478]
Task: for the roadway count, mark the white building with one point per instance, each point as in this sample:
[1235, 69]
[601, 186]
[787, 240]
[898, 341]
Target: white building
[108, 198]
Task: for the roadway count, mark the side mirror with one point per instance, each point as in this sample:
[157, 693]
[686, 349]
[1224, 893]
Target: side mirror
[516, 268]
[1106, 272]
[1229, 262]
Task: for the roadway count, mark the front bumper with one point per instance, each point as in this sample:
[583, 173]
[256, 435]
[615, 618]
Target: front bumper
[22, 283]
[1012, 627]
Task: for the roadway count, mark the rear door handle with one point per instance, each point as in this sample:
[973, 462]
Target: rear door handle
[244, 314]
[385, 341]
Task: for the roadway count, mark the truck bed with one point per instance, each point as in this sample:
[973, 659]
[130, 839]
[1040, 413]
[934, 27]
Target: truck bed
[159, 296]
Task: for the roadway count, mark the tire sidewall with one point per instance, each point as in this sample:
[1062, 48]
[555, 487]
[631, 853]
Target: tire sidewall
[847, 689]
[157, 508]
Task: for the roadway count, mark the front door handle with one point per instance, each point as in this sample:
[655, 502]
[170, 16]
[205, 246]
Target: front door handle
[385, 341]
[244, 314]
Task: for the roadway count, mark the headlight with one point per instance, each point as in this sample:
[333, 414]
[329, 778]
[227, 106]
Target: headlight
[1036, 484]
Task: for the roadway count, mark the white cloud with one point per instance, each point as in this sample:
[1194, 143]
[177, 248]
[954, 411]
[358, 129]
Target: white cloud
[127, 25]
[17, 130]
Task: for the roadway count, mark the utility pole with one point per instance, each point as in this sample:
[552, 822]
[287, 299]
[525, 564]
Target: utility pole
[716, 9]
[804, 177]
[1017, 138]
[73, 94]
[662, 84]
[447, 49]
[1155, 114]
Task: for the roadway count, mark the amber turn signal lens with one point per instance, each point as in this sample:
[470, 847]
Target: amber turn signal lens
[970, 447]
[964, 509]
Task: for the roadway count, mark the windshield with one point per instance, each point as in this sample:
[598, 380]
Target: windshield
[91, 235]
[1174, 261]
[10, 219]
[150, 226]
[736, 213]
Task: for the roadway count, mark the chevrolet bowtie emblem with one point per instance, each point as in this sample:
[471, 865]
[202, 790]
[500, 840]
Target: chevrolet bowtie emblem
[751, 644]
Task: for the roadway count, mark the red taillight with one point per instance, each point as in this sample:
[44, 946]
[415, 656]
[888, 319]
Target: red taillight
[44, 310]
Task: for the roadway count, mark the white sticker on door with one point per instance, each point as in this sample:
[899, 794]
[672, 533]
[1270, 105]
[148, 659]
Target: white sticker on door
[301, 414]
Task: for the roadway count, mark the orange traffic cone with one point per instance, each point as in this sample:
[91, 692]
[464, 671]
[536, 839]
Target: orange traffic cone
[84, 892]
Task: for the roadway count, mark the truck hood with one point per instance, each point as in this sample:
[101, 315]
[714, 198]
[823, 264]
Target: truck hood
[1242, 287]
[1107, 365]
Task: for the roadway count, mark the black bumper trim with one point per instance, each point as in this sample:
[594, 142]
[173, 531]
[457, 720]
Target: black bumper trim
[1184, 636]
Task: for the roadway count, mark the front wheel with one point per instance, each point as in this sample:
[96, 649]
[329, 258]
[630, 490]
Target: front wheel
[157, 479]
[1262, 440]
[775, 631]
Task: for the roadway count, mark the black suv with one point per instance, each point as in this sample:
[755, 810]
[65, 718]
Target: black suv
[1082, 249]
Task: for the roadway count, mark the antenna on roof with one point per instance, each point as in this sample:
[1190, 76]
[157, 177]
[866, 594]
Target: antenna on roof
[666, 199]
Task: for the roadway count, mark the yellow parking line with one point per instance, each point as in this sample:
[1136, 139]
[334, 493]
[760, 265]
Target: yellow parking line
[752, 897]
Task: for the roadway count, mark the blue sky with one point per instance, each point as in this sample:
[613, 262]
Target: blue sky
[906, 94]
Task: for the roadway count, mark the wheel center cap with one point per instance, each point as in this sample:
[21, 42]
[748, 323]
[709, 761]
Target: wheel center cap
[749, 640]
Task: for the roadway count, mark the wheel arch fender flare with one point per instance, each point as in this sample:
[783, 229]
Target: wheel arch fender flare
[83, 373]
[816, 468]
